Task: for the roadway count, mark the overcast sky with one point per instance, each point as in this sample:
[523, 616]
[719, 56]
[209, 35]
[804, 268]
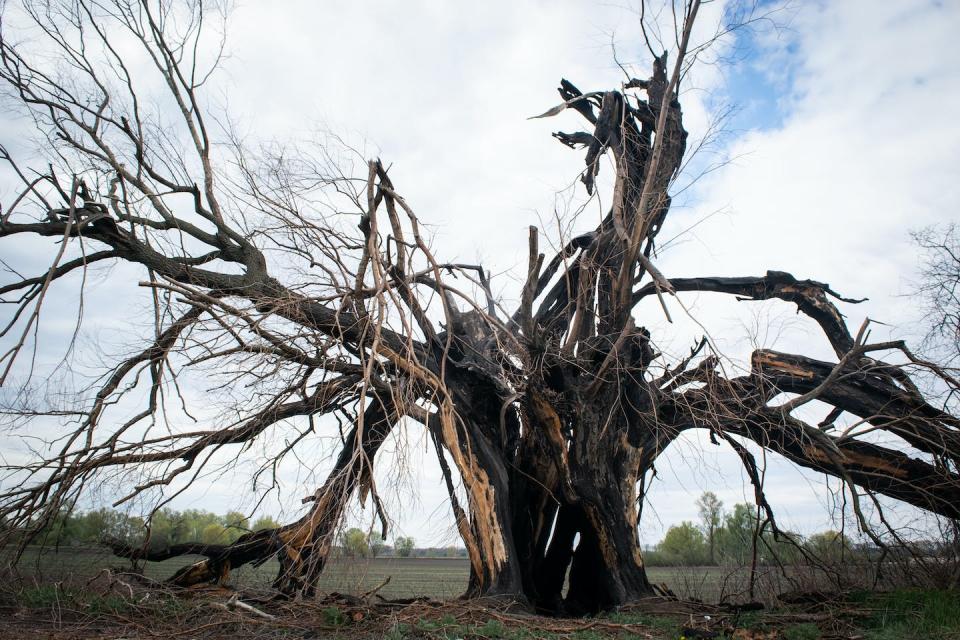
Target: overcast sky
[845, 139]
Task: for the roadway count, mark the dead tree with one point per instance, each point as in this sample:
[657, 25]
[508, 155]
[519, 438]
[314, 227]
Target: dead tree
[553, 413]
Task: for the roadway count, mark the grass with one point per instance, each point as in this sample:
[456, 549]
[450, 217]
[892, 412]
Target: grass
[665, 624]
[802, 631]
[926, 614]
[57, 598]
[41, 597]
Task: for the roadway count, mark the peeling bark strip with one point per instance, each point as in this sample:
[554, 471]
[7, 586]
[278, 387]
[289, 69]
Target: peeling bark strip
[551, 414]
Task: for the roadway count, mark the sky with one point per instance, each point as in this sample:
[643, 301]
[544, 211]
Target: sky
[842, 140]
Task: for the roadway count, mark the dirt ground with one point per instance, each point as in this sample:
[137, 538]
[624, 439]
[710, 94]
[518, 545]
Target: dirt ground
[69, 595]
[119, 606]
[216, 614]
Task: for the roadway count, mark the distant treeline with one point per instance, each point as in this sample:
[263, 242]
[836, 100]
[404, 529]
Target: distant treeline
[169, 527]
[355, 543]
[730, 538]
[739, 537]
[735, 538]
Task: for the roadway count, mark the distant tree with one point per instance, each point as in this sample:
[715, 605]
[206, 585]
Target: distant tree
[829, 546]
[264, 522]
[684, 544]
[90, 526]
[711, 514]
[375, 544]
[167, 527]
[404, 546]
[62, 529]
[196, 520]
[939, 289]
[354, 543]
[235, 524]
[213, 533]
[734, 540]
[103, 524]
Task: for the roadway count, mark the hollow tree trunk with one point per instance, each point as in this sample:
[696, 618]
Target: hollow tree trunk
[575, 484]
[607, 568]
[588, 528]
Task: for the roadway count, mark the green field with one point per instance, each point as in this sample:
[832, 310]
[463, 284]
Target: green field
[409, 577]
